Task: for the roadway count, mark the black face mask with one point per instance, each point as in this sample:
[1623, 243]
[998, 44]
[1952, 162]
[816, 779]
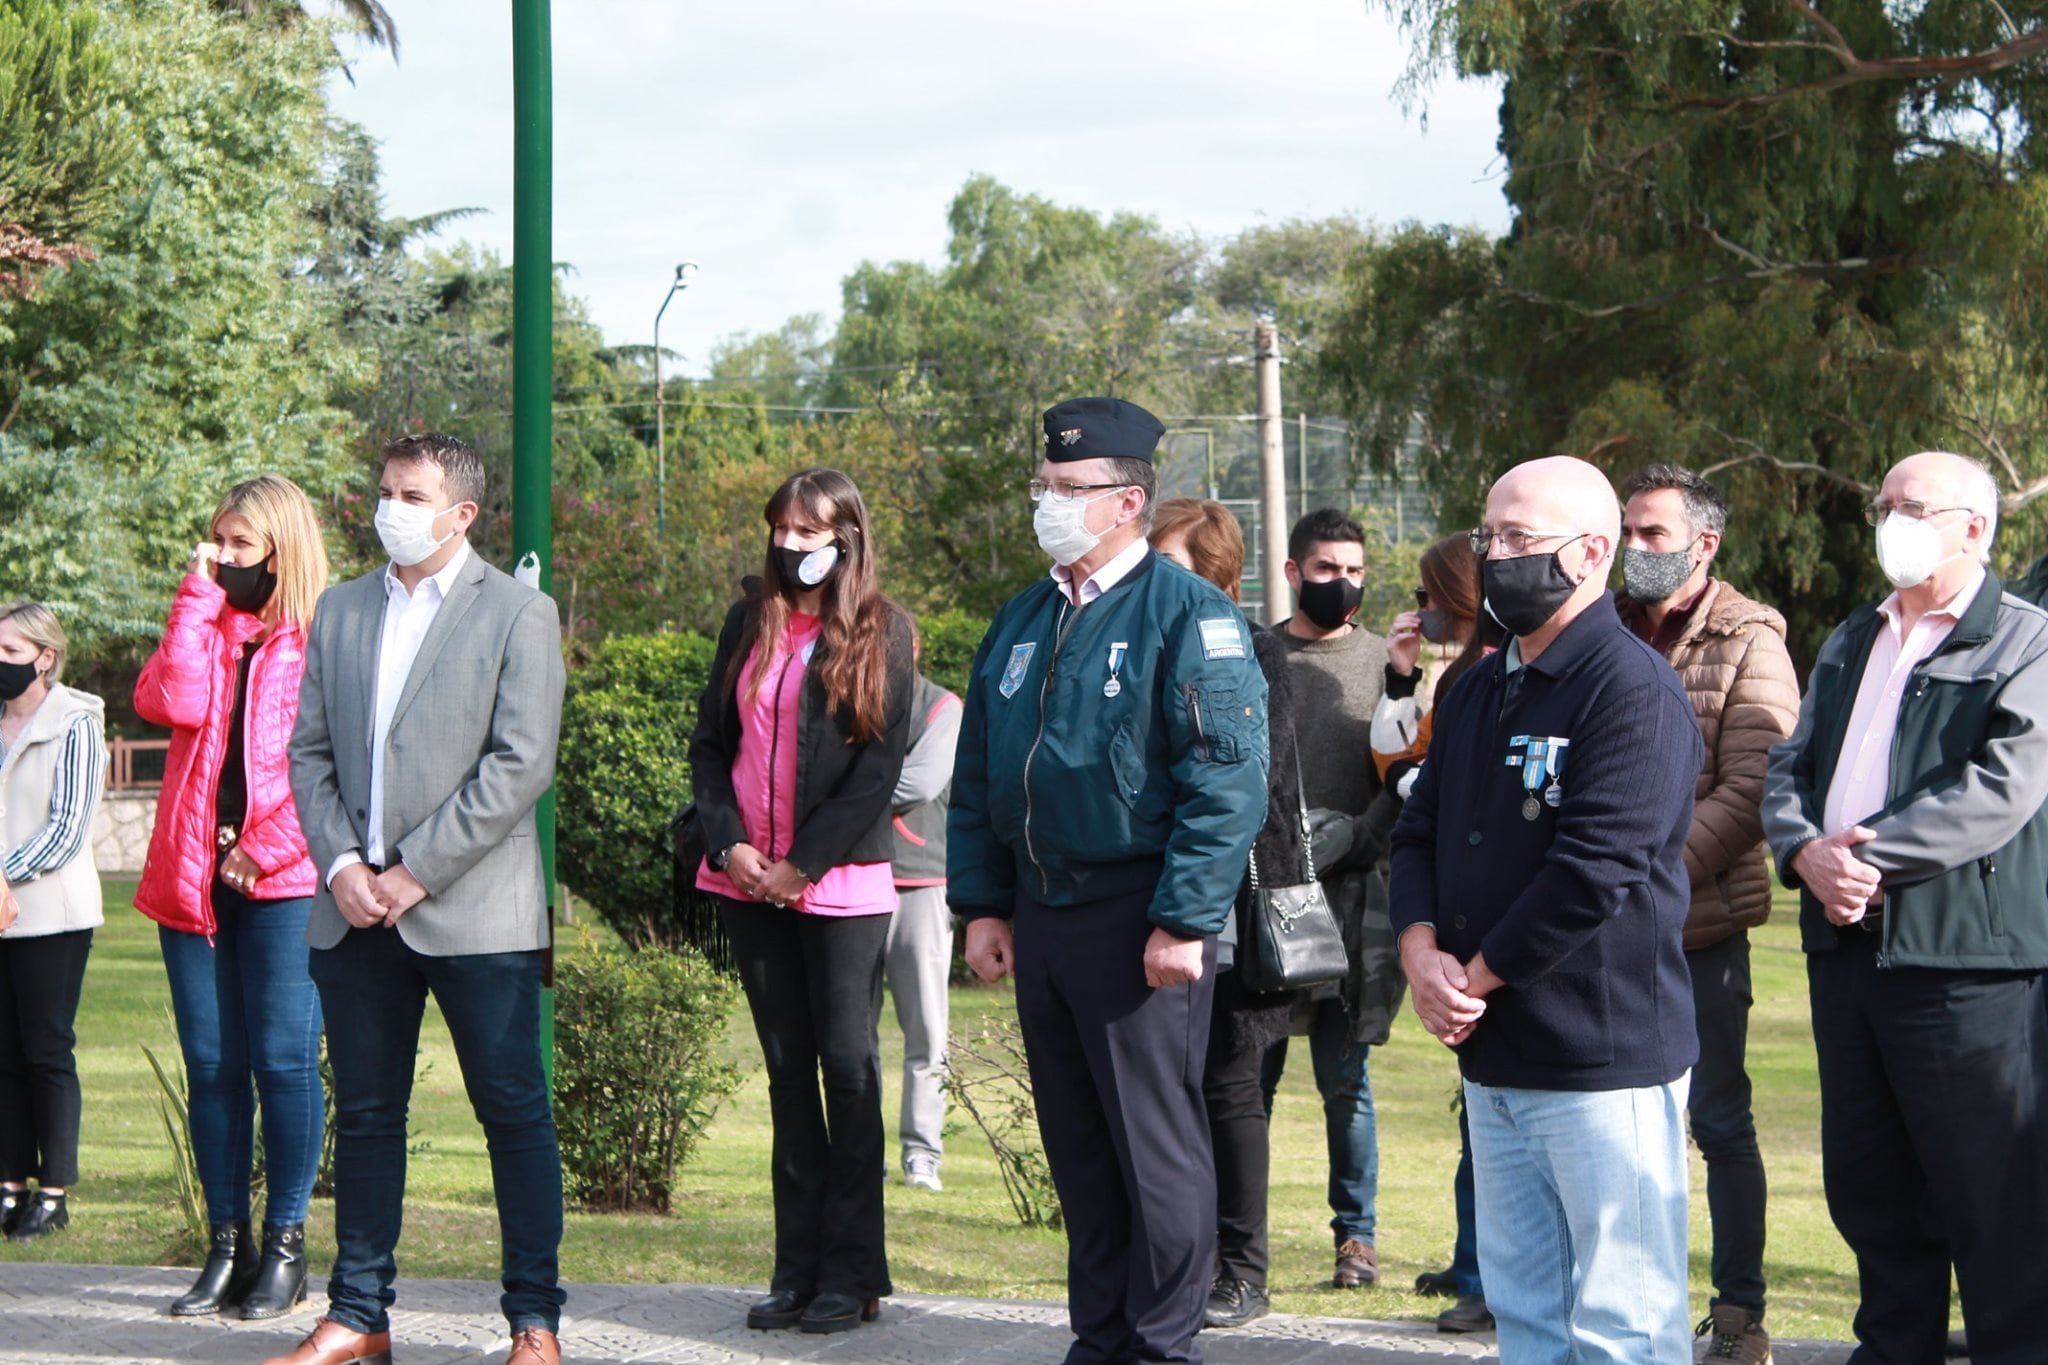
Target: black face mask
[792, 563]
[1524, 593]
[1330, 603]
[248, 586]
[1434, 624]
[16, 679]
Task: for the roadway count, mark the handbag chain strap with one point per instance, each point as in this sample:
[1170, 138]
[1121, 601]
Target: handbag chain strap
[1308, 847]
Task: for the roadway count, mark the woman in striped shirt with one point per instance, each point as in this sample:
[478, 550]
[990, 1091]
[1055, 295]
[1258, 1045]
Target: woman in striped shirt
[53, 765]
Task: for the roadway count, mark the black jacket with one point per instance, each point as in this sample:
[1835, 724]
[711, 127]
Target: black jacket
[1563, 862]
[843, 789]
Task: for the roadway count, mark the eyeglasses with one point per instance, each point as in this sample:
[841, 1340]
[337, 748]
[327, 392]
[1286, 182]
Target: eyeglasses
[1879, 509]
[1062, 491]
[1514, 540]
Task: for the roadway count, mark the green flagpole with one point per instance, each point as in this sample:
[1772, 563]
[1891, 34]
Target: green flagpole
[533, 366]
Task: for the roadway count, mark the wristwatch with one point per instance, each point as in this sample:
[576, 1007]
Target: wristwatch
[723, 856]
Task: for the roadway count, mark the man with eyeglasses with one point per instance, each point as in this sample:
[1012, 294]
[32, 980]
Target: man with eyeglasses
[1730, 654]
[1108, 783]
[1906, 808]
[1540, 892]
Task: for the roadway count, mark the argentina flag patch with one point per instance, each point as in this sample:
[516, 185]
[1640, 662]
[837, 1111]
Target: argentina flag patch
[1221, 638]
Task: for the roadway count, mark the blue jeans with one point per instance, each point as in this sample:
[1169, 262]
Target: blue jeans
[1344, 1080]
[1582, 1222]
[246, 1009]
[375, 989]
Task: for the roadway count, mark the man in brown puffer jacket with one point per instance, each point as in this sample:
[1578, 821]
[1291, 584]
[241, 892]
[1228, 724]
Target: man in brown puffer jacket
[1730, 654]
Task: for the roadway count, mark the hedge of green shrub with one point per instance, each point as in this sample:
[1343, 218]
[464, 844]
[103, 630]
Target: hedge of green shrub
[637, 1075]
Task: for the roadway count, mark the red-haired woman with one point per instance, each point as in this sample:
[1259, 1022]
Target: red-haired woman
[800, 738]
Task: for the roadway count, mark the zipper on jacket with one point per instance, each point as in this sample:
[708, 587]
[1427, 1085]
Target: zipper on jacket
[1194, 700]
[1063, 627]
[775, 748]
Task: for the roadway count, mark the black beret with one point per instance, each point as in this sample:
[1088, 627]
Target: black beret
[1100, 429]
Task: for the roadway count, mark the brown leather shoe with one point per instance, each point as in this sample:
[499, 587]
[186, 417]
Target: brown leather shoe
[534, 1346]
[330, 1343]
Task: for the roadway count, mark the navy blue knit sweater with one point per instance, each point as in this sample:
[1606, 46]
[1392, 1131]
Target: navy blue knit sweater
[1581, 909]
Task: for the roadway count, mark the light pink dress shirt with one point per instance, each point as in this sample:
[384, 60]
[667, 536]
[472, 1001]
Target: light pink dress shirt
[1104, 578]
[1863, 773]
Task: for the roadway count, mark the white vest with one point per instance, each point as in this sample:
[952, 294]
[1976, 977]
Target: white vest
[63, 898]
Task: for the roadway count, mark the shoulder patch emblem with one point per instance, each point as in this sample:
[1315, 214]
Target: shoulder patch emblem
[1221, 639]
[1013, 672]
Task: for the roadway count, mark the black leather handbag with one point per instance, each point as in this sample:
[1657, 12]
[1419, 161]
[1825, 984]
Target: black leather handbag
[1292, 938]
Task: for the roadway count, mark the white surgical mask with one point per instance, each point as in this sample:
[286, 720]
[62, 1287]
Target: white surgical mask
[1909, 550]
[1062, 527]
[407, 530]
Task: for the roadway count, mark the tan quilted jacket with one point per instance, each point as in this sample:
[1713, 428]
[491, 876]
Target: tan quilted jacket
[1733, 664]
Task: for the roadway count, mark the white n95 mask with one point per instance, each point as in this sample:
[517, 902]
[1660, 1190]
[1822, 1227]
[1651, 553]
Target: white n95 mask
[407, 530]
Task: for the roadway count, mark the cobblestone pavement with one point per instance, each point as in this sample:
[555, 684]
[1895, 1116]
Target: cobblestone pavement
[98, 1315]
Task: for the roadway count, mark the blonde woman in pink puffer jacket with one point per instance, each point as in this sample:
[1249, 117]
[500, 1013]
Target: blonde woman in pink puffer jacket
[229, 882]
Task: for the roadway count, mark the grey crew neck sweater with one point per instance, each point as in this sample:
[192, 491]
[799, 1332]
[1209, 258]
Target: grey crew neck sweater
[1337, 683]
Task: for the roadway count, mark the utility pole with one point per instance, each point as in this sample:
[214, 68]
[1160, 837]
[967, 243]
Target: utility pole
[684, 272]
[533, 375]
[1272, 474]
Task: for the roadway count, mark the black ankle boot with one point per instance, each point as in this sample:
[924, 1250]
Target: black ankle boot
[281, 1279]
[225, 1278]
[45, 1213]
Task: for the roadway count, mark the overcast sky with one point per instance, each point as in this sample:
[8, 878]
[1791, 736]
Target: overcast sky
[780, 144]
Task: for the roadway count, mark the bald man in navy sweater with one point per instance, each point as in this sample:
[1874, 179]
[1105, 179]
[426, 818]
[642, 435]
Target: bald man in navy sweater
[1540, 895]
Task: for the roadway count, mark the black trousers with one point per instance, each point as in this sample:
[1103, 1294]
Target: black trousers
[1116, 1071]
[1723, 1126]
[1934, 1150]
[814, 984]
[41, 979]
[1240, 1134]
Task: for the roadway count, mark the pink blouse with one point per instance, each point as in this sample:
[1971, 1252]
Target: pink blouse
[764, 783]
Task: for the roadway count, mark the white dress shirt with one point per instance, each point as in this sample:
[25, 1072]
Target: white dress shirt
[407, 618]
[1104, 578]
[1863, 771]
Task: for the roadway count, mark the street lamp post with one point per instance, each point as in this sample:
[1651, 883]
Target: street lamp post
[684, 274]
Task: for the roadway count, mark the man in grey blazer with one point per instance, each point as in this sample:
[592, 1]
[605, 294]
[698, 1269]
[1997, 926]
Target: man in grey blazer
[426, 734]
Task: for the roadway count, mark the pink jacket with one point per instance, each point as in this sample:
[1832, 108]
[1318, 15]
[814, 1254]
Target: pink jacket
[189, 685]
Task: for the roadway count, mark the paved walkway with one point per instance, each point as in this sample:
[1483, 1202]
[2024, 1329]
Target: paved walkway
[97, 1315]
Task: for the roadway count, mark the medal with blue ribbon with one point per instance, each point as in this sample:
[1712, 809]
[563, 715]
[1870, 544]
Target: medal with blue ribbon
[1541, 759]
[1116, 663]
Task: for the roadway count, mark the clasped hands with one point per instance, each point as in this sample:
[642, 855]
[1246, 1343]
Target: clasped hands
[1449, 995]
[368, 899]
[779, 883]
[1843, 883]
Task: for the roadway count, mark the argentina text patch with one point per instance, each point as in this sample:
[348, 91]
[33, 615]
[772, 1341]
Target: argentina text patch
[1221, 638]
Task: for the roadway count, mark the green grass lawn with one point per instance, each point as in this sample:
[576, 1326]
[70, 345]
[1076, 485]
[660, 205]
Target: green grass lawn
[964, 1241]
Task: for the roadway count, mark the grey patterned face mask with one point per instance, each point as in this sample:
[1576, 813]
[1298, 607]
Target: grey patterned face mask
[1649, 576]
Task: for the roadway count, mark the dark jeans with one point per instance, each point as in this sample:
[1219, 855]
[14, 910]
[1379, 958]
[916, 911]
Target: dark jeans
[1465, 1253]
[814, 984]
[246, 1007]
[1240, 1133]
[1722, 1126]
[1116, 1071]
[40, 982]
[1350, 1129]
[1934, 1149]
[373, 989]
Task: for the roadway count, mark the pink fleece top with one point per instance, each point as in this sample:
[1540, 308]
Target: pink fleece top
[764, 783]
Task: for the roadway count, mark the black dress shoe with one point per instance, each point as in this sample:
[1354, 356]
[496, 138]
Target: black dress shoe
[224, 1280]
[781, 1308]
[280, 1282]
[839, 1313]
[1468, 1314]
[1436, 1284]
[13, 1204]
[45, 1214]
[1234, 1302]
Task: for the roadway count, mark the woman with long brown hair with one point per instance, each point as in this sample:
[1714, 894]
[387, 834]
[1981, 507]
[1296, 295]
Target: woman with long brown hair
[800, 738]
